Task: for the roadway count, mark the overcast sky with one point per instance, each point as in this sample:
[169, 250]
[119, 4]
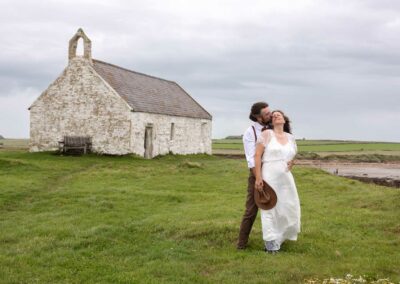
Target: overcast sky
[332, 66]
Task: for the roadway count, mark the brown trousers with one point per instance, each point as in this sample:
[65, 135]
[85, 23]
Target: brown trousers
[250, 213]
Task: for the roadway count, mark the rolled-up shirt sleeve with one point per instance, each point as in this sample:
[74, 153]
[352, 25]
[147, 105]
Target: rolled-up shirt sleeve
[249, 147]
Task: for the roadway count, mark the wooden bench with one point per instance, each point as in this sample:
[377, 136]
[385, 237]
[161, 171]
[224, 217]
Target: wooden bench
[83, 143]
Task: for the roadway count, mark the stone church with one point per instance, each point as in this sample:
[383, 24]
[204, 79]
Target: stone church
[123, 111]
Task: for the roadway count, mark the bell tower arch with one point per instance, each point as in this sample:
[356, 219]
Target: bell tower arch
[87, 46]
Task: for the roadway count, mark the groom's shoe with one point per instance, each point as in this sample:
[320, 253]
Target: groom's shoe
[239, 247]
[241, 244]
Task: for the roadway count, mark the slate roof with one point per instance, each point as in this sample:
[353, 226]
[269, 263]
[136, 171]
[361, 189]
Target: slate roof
[150, 94]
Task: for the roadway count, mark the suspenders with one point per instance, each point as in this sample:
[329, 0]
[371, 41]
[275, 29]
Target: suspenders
[255, 141]
[255, 135]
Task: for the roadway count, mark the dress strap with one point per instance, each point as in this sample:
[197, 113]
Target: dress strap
[271, 134]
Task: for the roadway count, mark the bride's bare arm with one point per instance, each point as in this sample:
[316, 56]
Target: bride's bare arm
[292, 162]
[257, 159]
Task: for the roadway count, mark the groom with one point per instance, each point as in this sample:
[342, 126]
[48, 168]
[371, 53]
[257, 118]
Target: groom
[260, 114]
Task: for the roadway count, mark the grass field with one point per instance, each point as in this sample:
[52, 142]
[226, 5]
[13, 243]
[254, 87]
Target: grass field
[319, 145]
[14, 144]
[175, 219]
[357, 151]
[322, 147]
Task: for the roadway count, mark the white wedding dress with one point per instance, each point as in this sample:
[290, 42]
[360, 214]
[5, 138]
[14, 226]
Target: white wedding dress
[283, 221]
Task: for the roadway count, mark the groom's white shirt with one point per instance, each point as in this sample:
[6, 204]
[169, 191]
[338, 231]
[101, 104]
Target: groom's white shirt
[249, 143]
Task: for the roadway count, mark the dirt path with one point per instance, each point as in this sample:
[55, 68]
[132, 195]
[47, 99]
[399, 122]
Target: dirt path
[380, 173]
[376, 170]
[387, 174]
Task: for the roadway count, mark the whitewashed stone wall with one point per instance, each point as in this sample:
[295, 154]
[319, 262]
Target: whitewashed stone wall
[192, 135]
[80, 102]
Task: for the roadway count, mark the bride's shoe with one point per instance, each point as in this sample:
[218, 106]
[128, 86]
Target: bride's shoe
[271, 247]
[271, 251]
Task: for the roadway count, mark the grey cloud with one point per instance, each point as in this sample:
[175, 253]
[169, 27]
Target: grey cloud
[315, 59]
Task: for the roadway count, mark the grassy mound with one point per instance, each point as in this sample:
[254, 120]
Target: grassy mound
[175, 219]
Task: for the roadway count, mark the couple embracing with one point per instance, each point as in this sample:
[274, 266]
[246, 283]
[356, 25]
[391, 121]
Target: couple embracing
[270, 150]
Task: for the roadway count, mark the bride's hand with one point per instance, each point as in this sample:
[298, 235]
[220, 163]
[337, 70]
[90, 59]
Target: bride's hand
[259, 184]
[290, 165]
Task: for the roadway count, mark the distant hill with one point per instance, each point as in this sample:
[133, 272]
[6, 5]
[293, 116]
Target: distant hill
[1, 137]
[234, 137]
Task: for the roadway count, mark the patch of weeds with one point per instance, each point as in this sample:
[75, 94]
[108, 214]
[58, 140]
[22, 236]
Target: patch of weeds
[349, 279]
[190, 165]
[11, 164]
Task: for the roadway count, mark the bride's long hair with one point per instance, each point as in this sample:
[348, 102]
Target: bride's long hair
[286, 127]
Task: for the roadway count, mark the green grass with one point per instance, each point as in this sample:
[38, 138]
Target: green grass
[344, 147]
[14, 144]
[357, 151]
[175, 219]
[322, 147]
[319, 145]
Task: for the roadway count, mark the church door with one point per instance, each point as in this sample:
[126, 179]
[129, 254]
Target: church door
[148, 142]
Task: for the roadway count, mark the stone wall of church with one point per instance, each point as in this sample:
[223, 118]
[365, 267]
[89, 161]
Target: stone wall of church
[186, 136]
[79, 102]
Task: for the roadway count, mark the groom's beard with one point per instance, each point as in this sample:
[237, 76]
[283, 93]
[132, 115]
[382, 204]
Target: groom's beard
[266, 123]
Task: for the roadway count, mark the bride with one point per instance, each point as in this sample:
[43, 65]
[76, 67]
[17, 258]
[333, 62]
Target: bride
[275, 151]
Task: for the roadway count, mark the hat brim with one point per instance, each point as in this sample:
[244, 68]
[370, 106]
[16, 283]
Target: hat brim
[259, 199]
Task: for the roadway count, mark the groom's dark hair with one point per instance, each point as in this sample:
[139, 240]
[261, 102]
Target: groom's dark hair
[256, 110]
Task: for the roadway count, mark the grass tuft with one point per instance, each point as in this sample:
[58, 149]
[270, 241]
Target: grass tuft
[191, 165]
